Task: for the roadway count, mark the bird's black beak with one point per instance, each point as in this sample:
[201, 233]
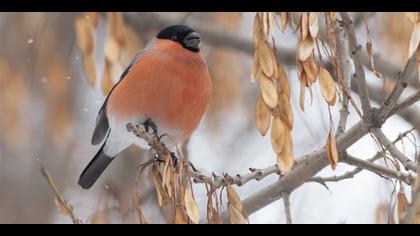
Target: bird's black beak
[192, 41]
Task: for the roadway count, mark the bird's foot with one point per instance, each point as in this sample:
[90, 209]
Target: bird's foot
[174, 159]
[149, 124]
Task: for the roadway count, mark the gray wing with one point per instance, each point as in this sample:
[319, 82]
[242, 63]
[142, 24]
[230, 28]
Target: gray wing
[102, 125]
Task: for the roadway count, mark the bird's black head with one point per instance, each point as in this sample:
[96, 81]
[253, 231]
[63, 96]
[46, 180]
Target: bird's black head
[184, 35]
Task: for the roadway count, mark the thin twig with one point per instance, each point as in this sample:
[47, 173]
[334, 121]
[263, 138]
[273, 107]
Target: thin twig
[396, 92]
[355, 53]
[215, 180]
[63, 203]
[412, 99]
[412, 209]
[389, 146]
[377, 169]
[286, 200]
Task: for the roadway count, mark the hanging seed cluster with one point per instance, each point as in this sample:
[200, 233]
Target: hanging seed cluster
[273, 105]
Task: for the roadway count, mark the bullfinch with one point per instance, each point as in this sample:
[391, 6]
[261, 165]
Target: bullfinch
[166, 88]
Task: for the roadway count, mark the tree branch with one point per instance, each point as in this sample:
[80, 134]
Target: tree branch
[355, 52]
[286, 201]
[346, 69]
[313, 163]
[412, 209]
[377, 169]
[402, 78]
[405, 103]
[389, 146]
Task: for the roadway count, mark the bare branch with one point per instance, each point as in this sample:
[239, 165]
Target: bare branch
[402, 78]
[355, 52]
[286, 200]
[388, 145]
[63, 203]
[346, 71]
[377, 169]
[412, 209]
[405, 103]
[335, 178]
[313, 163]
[215, 180]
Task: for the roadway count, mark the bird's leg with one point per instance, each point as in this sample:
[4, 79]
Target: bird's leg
[150, 124]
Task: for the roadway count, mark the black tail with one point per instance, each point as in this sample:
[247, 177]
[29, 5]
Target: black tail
[94, 169]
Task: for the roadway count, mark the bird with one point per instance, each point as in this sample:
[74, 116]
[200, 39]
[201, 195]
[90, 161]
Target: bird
[166, 87]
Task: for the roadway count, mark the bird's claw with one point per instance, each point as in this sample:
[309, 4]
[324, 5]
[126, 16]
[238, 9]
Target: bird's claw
[149, 123]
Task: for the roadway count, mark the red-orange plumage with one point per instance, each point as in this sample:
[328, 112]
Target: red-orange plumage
[168, 83]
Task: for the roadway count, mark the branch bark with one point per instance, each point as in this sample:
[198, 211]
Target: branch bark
[346, 69]
[389, 146]
[355, 52]
[286, 201]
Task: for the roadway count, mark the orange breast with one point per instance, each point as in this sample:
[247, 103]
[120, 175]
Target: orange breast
[169, 84]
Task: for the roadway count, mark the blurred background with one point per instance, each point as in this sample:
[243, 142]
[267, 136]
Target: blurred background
[49, 99]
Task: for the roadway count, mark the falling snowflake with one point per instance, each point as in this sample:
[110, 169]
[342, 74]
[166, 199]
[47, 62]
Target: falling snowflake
[85, 109]
[68, 77]
[30, 41]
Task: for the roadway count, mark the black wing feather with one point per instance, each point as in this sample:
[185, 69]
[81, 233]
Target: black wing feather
[102, 125]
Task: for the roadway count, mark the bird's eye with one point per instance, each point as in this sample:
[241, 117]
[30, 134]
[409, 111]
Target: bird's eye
[174, 38]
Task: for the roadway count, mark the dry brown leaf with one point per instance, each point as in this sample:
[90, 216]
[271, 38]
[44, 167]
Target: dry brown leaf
[214, 217]
[402, 204]
[235, 215]
[313, 24]
[265, 23]
[84, 30]
[284, 21]
[100, 218]
[286, 112]
[311, 70]
[331, 150]
[117, 27]
[256, 69]
[268, 91]
[112, 50]
[63, 209]
[266, 58]
[237, 212]
[278, 131]
[372, 64]
[304, 26]
[258, 31]
[285, 159]
[273, 23]
[262, 116]
[92, 16]
[414, 40]
[89, 67]
[180, 217]
[332, 16]
[302, 81]
[326, 84]
[305, 48]
[161, 194]
[283, 82]
[413, 16]
[191, 206]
